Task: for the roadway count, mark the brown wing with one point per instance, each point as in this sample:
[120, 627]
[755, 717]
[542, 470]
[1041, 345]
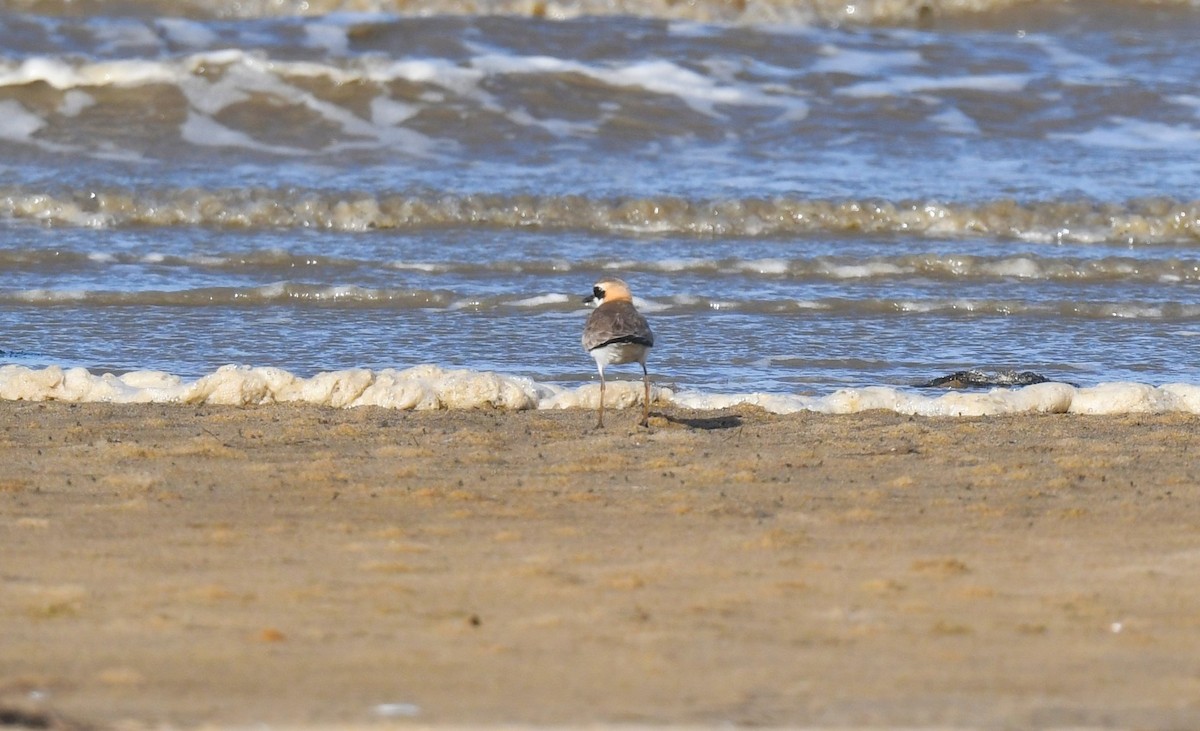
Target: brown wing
[616, 322]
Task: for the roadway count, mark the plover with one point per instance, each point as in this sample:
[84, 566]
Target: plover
[617, 333]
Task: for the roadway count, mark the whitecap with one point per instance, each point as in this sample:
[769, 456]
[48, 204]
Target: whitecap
[204, 131]
[812, 305]
[863, 62]
[50, 295]
[74, 102]
[330, 37]
[679, 265]
[658, 76]
[184, 32]
[1134, 312]
[863, 271]
[765, 266]
[389, 113]
[61, 75]
[646, 305]
[420, 266]
[540, 300]
[18, 124]
[117, 36]
[1020, 267]
[1136, 134]
[904, 85]
[952, 120]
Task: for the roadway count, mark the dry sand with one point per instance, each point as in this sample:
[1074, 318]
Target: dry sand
[183, 566]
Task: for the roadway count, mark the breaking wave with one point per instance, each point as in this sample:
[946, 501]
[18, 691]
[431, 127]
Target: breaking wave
[873, 12]
[358, 297]
[1149, 221]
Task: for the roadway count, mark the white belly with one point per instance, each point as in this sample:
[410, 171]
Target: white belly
[617, 353]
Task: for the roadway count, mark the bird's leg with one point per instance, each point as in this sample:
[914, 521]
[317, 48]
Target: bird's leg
[646, 400]
[600, 420]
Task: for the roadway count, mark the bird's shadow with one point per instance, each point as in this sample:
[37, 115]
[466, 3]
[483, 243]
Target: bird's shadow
[730, 421]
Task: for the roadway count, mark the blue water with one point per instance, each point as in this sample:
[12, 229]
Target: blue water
[797, 207]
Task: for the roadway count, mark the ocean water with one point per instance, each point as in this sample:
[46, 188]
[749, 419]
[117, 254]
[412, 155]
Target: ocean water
[817, 205]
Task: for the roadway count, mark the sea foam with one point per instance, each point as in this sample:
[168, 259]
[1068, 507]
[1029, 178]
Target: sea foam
[418, 388]
[429, 387]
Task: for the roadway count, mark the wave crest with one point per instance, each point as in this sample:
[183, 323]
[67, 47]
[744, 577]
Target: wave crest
[869, 12]
[1141, 221]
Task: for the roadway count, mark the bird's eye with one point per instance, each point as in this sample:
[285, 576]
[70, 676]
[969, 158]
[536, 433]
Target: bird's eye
[598, 293]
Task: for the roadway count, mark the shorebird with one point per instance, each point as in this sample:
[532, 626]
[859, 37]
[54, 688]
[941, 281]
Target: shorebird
[617, 333]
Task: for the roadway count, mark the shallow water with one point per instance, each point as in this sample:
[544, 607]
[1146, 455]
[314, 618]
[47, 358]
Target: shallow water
[803, 199]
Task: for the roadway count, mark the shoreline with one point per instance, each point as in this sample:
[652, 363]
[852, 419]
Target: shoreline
[429, 387]
[190, 566]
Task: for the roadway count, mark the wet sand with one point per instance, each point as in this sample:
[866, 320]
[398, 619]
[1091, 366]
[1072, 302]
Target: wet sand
[301, 565]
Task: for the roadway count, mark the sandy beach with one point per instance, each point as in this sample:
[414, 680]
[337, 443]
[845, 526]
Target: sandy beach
[170, 565]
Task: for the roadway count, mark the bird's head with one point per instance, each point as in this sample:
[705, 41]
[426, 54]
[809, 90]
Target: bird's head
[609, 290]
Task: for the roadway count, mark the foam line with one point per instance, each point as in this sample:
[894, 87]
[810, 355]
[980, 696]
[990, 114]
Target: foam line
[431, 387]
